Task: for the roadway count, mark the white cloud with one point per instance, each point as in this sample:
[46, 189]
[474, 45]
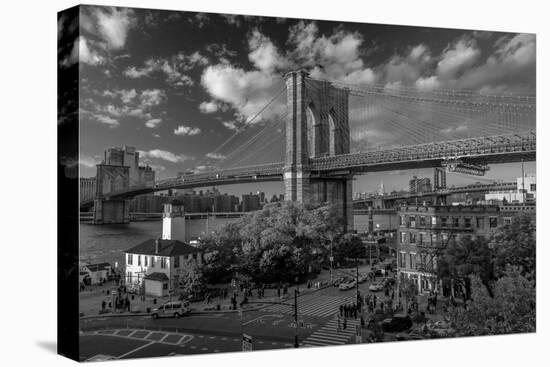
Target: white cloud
[264, 55]
[83, 53]
[428, 83]
[87, 161]
[511, 65]
[231, 125]
[406, 69]
[173, 68]
[153, 123]
[156, 135]
[209, 107]
[187, 130]
[165, 155]
[462, 55]
[246, 91]
[113, 25]
[104, 119]
[126, 95]
[215, 156]
[152, 97]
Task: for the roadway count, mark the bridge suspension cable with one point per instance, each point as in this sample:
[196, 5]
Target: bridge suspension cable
[243, 147]
[393, 116]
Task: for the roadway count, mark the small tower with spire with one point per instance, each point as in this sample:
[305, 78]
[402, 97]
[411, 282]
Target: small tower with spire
[173, 221]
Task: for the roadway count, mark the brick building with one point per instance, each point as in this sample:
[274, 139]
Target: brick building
[424, 230]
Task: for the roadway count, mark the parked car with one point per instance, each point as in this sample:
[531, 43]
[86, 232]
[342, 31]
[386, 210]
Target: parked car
[173, 309]
[349, 284]
[336, 281]
[397, 323]
[376, 287]
[363, 277]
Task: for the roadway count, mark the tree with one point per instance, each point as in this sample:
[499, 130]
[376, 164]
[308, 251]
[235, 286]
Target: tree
[349, 246]
[221, 250]
[514, 244]
[510, 307]
[192, 279]
[408, 289]
[465, 257]
[272, 244]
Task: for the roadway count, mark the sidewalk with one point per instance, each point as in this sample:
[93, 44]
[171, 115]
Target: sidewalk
[91, 300]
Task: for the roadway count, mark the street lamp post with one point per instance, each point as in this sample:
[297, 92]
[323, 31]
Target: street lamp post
[331, 257]
[296, 318]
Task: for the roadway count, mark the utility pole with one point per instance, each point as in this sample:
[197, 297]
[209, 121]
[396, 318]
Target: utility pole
[331, 257]
[356, 281]
[522, 183]
[296, 318]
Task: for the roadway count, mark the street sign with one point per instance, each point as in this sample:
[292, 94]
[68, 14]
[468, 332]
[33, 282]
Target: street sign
[247, 343]
[331, 259]
[114, 293]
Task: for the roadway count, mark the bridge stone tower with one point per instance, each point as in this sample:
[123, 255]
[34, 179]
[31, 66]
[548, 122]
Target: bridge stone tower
[317, 126]
[110, 178]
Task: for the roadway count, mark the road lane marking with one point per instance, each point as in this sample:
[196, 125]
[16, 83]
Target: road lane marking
[135, 350]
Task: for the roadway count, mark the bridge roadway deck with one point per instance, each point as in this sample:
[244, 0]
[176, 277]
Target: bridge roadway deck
[485, 150]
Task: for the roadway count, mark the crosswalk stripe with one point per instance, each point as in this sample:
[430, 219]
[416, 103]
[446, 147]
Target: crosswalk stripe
[330, 335]
[312, 305]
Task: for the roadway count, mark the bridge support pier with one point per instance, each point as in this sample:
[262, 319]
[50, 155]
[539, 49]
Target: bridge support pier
[317, 126]
[111, 211]
[440, 179]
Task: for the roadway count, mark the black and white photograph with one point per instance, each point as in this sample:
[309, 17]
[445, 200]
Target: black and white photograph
[252, 183]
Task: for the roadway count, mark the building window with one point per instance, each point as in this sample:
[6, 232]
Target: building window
[413, 221]
[177, 262]
[480, 222]
[403, 236]
[533, 187]
[493, 222]
[145, 260]
[467, 222]
[507, 220]
[165, 286]
[163, 263]
[443, 221]
[139, 260]
[401, 220]
[456, 222]
[130, 259]
[411, 261]
[421, 238]
[434, 238]
[434, 221]
[195, 256]
[152, 261]
[402, 260]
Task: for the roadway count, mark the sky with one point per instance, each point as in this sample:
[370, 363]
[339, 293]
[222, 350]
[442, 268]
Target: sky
[176, 85]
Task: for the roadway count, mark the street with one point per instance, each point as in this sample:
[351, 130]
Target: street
[271, 327]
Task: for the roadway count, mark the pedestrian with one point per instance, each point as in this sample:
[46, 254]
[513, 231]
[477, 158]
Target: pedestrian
[362, 322]
[338, 324]
[341, 310]
[355, 313]
[345, 324]
[278, 292]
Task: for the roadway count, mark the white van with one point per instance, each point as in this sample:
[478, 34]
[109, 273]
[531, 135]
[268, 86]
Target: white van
[173, 309]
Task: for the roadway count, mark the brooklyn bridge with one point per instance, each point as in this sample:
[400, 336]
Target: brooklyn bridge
[304, 137]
